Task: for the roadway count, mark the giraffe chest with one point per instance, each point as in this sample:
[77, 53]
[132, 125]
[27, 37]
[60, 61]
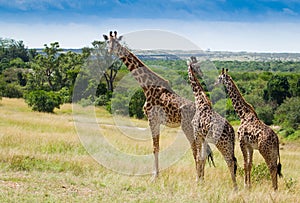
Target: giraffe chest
[250, 134]
[164, 106]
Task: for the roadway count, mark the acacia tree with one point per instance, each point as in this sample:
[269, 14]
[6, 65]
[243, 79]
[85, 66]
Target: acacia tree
[54, 70]
[46, 68]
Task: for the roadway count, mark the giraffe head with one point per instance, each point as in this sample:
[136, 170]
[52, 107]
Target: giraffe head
[113, 42]
[194, 66]
[223, 77]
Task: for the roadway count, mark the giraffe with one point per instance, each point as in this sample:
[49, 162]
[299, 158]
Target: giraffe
[253, 133]
[162, 103]
[209, 126]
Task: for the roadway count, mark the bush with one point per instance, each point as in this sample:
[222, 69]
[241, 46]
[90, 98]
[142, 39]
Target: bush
[288, 114]
[40, 100]
[102, 100]
[13, 91]
[259, 172]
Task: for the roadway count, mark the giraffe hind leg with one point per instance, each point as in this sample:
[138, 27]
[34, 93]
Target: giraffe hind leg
[271, 161]
[248, 156]
[228, 153]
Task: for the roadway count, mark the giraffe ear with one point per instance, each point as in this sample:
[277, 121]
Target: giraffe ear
[120, 38]
[105, 37]
[188, 63]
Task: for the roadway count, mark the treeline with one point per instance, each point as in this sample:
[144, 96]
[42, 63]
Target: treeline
[49, 78]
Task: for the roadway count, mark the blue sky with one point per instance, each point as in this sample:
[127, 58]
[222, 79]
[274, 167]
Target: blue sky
[234, 25]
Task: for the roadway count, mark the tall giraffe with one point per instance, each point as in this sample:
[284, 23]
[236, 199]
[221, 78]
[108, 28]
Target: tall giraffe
[253, 133]
[162, 103]
[210, 127]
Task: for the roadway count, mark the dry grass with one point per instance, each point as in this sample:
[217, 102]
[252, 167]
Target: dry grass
[43, 160]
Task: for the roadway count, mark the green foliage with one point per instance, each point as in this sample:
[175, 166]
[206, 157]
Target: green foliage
[251, 66]
[13, 91]
[277, 89]
[288, 114]
[217, 94]
[14, 54]
[290, 184]
[224, 107]
[259, 172]
[40, 100]
[103, 99]
[54, 70]
[265, 111]
[136, 104]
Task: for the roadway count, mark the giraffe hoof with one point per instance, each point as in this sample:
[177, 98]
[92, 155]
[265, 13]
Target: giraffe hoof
[154, 177]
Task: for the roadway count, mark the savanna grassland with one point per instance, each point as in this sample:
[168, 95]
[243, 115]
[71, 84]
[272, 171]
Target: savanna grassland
[43, 160]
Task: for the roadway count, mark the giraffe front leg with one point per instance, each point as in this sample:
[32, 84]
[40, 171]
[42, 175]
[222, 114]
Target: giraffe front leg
[197, 156]
[155, 128]
[155, 152]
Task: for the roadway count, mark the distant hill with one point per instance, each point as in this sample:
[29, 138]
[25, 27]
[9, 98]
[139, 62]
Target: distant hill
[216, 55]
[210, 55]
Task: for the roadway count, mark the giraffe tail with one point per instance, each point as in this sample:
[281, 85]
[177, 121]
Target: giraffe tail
[235, 165]
[279, 166]
[210, 156]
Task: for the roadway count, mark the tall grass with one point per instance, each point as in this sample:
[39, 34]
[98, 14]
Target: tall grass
[43, 160]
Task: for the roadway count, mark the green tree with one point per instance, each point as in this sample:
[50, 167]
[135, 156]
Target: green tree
[14, 54]
[55, 70]
[288, 113]
[47, 65]
[277, 89]
[265, 111]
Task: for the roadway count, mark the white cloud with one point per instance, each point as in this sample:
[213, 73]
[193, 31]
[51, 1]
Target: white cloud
[289, 12]
[226, 36]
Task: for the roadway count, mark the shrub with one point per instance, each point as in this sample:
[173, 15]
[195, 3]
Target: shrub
[103, 99]
[40, 100]
[288, 114]
[258, 173]
[13, 91]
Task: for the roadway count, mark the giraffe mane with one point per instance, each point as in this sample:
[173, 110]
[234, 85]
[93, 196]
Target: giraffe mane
[151, 71]
[240, 95]
[200, 86]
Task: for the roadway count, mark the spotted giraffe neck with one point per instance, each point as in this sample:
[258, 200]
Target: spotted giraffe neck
[242, 108]
[144, 75]
[199, 93]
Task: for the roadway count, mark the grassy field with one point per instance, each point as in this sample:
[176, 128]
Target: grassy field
[43, 160]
